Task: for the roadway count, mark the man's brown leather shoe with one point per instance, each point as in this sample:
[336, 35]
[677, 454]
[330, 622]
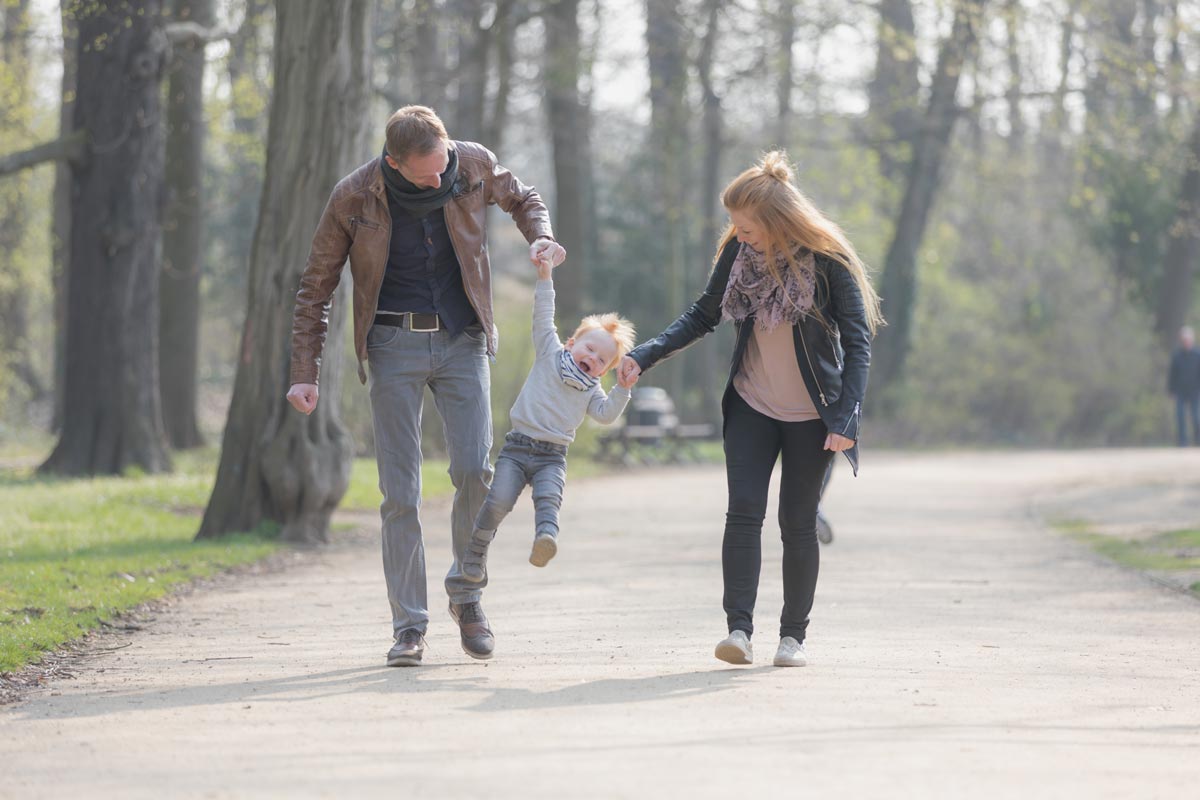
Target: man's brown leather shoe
[477, 639]
[407, 650]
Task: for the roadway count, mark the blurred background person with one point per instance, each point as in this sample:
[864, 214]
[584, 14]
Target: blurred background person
[1183, 382]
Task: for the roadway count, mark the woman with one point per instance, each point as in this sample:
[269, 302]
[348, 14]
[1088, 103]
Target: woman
[805, 313]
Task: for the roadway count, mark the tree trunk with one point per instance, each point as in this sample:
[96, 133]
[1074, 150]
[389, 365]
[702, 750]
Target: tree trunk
[249, 85]
[1176, 67]
[712, 215]
[60, 222]
[112, 419]
[1113, 85]
[428, 55]
[1183, 250]
[179, 294]
[1016, 123]
[277, 464]
[1146, 68]
[899, 280]
[504, 35]
[895, 88]
[783, 89]
[474, 42]
[17, 355]
[567, 121]
[666, 47]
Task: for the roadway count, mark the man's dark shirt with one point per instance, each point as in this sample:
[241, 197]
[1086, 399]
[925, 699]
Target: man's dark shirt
[423, 273]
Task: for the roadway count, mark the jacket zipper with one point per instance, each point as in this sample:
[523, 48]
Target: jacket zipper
[363, 221]
[811, 368]
[853, 414]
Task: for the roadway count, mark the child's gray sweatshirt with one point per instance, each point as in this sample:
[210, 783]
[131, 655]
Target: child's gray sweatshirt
[548, 409]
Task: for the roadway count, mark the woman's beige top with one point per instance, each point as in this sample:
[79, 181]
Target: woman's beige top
[770, 380]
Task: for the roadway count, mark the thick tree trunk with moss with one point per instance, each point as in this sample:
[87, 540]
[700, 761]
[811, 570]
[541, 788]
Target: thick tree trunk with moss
[278, 465]
[179, 294]
[112, 419]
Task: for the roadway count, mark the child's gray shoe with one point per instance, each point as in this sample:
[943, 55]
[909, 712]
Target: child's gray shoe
[474, 562]
[545, 546]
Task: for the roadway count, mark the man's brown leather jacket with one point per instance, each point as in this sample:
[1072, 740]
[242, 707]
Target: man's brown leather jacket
[356, 224]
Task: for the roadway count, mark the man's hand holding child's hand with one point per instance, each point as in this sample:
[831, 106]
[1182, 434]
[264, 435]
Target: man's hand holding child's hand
[546, 250]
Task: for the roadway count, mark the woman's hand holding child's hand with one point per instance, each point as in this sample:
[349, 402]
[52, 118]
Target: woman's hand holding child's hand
[628, 371]
[626, 378]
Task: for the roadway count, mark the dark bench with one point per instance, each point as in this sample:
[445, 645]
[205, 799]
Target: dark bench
[652, 433]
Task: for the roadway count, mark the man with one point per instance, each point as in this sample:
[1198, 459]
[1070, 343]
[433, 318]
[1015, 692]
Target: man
[1183, 382]
[413, 224]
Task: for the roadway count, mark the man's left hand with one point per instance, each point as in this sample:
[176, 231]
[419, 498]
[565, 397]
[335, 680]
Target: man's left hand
[548, 251]
[837, 443]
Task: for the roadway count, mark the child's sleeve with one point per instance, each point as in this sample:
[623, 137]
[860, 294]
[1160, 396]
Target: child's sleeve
[606, 408]
[545, 335]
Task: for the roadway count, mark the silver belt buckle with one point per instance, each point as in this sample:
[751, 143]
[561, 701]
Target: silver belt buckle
[412, 326]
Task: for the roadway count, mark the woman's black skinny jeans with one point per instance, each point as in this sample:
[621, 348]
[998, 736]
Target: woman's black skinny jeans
[753, 442]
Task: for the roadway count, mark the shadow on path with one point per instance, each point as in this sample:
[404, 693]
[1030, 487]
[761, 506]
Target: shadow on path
[428, 679]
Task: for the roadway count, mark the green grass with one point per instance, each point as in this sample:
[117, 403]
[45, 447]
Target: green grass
[76, 552]
[1167, 551]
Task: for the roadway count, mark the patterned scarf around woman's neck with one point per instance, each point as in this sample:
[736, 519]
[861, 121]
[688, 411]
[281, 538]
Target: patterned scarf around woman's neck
[753, 292]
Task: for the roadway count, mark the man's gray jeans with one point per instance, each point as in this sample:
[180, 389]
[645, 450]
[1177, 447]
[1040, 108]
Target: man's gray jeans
[456, 370]
[523, 460]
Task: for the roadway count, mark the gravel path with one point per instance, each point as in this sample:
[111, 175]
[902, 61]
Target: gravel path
[957, 648]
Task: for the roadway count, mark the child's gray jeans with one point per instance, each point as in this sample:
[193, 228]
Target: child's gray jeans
[523, 461]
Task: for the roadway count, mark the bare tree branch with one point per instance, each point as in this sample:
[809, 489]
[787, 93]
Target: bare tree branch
[66, 148]
[194, 33]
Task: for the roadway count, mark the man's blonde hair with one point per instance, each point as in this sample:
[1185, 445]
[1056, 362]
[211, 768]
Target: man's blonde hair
[414, 131]
[619, 328]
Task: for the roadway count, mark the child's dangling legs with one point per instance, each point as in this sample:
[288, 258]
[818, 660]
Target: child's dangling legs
[507, 484]
[548, 482]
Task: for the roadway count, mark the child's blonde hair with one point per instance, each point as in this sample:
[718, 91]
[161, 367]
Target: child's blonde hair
[619, 328]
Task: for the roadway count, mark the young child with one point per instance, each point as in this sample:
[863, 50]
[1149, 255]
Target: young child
[562, 388]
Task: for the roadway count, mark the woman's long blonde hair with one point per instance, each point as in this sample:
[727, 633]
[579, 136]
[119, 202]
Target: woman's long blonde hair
[768, 194]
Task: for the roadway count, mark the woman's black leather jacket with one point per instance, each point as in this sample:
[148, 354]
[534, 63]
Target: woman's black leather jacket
[833, 344]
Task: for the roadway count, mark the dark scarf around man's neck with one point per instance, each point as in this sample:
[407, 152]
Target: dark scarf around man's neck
[402, 193]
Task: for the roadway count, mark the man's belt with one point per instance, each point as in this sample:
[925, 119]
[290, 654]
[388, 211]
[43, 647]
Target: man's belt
[417, 323]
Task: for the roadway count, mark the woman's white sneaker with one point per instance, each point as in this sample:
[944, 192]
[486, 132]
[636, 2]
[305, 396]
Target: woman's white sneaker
[735, 648]
[790, 653]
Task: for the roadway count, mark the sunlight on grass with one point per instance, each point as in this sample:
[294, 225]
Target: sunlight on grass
[75, 552]
[1167, 551]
